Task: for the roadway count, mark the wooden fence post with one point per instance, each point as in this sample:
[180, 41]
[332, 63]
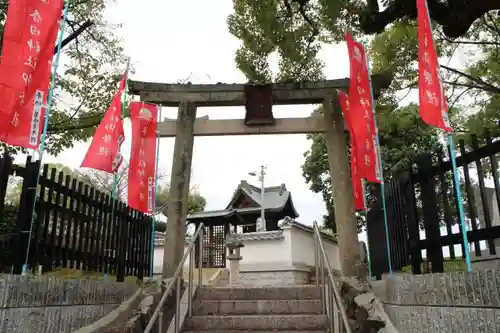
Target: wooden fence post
[122, 217]
[5, 167]
[412, 223]
[430, 212]
[24, 219]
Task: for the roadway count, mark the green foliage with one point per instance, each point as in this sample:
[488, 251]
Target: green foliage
[196, 203]
[8, 219]
[87, 81]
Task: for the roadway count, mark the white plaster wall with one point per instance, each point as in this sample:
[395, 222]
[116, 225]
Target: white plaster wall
[158, 259]
[296, 248]
[303, 248]
[264, 252]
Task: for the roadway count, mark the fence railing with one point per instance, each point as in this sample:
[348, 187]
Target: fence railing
[175, 284]
[332, 303]
[423, 215]
[74, 226]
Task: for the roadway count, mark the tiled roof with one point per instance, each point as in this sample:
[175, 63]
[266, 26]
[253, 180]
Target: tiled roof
[275, 199]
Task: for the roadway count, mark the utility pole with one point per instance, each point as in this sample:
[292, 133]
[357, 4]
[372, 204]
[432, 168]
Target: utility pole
[261, 226]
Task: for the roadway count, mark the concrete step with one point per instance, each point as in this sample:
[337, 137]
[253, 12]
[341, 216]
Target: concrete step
[220, 307]
[256, 323]
[259, 293]
[246, 331]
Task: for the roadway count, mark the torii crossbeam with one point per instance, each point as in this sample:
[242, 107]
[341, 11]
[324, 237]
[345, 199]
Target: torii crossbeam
[234, 95]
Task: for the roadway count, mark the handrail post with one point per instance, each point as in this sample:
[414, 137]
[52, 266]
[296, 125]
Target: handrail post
[177, 305]
[200, 257]
[316, 256]
[322, 283]
[190, 282]
[331, 304]
[160, 322]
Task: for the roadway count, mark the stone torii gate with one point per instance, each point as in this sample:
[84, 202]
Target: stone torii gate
[258, 101]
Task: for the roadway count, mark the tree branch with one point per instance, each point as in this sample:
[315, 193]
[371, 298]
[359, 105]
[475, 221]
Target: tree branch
[87, 24]
[486, 86]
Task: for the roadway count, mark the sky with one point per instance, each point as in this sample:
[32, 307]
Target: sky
[169, 41]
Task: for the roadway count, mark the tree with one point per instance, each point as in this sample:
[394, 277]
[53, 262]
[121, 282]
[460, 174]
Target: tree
[94, 59]
[290, 30]
[455, 16]
[294, 31]
[196, 203]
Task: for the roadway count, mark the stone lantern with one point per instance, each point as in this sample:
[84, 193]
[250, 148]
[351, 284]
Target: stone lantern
[233, 245]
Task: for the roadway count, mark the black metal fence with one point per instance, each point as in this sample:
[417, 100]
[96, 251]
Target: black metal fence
[75, 226]
[422, 211]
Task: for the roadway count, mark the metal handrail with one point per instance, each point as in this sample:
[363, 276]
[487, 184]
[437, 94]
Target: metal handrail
[176, 278]
[331, 301]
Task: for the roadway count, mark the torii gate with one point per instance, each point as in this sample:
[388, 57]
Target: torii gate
[258, 101]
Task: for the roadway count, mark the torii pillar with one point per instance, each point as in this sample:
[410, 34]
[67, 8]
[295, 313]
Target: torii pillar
[179, 188]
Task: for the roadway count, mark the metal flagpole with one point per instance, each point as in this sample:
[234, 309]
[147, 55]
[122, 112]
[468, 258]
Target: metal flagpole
[114, 188]
[113, 201]
[382, 185]
[368, 258]
[153, 220]
[460, 205]
[456, 179]
[50, 97]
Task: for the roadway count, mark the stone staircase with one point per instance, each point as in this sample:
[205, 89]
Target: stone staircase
[257, 309]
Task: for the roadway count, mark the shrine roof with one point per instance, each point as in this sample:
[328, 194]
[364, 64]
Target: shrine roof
[276, 198]
[222, 213]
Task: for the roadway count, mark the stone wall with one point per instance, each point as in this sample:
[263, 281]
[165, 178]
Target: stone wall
[449, 302]
[51, 305]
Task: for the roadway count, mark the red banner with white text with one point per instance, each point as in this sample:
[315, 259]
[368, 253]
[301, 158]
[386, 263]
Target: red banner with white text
[25, 69]
[432, 100]
[357, 182]
[104, 151]
[142, 168]
[362, 115]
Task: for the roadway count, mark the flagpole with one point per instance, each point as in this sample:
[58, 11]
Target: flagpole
[382, 185]
[456, 179]
[460, 207]
[46, 124]
[153, 221]
[114, 190]
[368, 258]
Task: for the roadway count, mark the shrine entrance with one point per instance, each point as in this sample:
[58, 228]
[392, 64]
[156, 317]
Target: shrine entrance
[258, 101]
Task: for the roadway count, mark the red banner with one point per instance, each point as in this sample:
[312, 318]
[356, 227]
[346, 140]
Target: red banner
[104, 151]
[142, 169]
[357, 182]
[432, 100]
[362, 115]
[25, 69]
